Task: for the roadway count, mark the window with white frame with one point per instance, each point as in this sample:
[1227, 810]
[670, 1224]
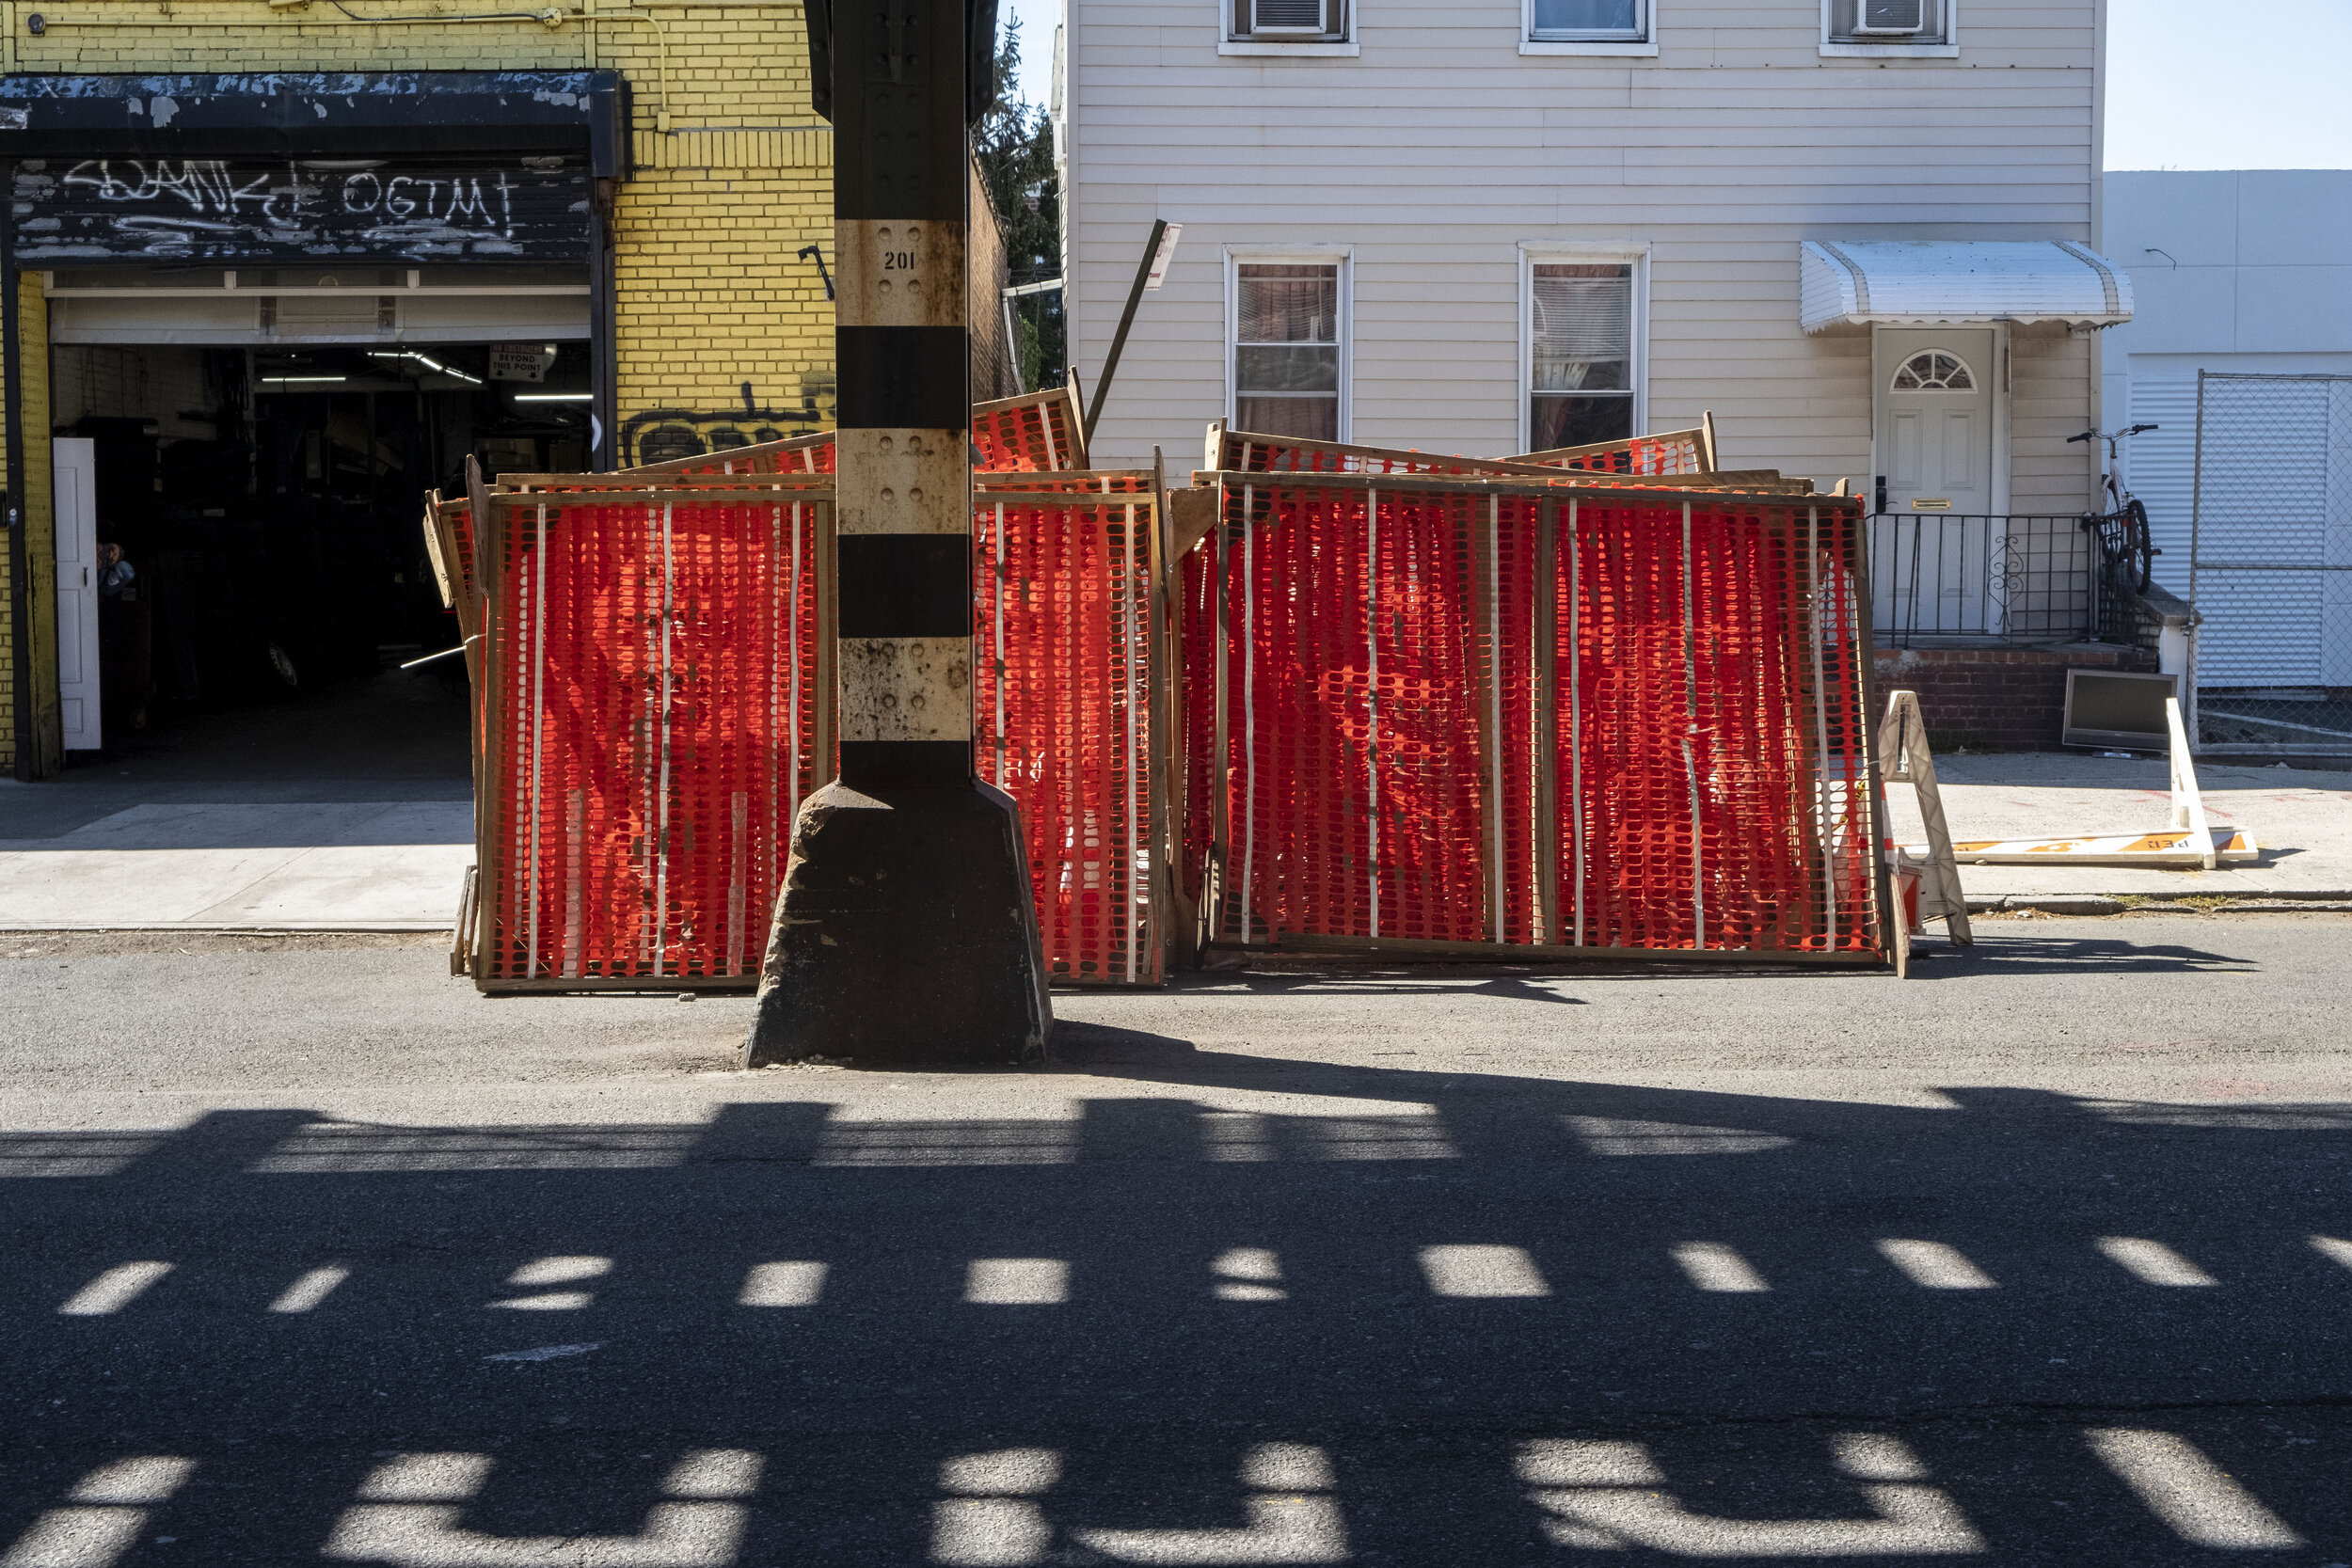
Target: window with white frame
[1887, 22]
[1588, 20]
[1289, 21]
[1580, 353]
[1289, 356]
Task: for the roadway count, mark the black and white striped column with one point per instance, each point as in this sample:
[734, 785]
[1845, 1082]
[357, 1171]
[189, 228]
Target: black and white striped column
[905, 931]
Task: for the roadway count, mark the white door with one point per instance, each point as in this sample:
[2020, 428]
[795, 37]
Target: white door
[74, 470]
[1933, 416]
[1931, 413]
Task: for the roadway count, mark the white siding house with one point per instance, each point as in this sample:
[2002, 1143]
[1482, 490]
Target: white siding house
[1488, 218]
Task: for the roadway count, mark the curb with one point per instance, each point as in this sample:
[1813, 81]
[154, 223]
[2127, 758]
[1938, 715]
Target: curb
[2201, 902]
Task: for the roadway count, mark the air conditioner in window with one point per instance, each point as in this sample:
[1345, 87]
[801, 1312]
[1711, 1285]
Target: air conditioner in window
[1890, 18]
[1292, 17]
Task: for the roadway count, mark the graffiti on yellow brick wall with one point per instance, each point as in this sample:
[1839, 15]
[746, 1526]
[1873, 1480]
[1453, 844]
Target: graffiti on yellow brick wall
[659, 435]
[216, 209]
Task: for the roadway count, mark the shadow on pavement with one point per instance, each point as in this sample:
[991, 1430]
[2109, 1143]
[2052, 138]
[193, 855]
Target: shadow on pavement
[1425, 1318]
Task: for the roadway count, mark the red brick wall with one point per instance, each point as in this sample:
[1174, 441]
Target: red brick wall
[1996, 699]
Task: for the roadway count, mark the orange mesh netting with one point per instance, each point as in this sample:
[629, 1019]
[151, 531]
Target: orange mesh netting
[650, 723]
[1032, 434]
[1063, 720]
[655, 712]
[1494, 714]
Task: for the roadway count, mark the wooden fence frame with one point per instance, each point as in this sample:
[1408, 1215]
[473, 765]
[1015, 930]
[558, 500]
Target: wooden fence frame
[1213, 487]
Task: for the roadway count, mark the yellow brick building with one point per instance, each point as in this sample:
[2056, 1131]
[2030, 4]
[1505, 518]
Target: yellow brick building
[278, 266]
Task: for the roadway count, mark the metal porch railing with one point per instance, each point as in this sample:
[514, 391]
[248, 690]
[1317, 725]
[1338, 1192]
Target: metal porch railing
[1940, 577]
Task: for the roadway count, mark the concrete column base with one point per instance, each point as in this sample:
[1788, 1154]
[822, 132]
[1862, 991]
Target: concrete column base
[905, 932]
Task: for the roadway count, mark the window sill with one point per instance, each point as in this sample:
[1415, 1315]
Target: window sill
[1890, 51]
[1325, 51]
[1566, 46]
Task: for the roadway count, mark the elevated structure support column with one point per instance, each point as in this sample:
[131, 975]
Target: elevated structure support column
[905, 932]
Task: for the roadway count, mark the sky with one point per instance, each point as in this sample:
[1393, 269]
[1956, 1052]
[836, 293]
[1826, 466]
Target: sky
[2264, 90]
[2191, 83]
[1039, 18]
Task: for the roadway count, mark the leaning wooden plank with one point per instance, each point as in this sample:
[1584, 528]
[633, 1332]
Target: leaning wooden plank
[663, 984]
[691, 495]
[1768, 480]
[1070, 482]
[1631, 488]
[1666, 451]
[1077, 420]
[461, 934]
[1408, 950]
[792, 485]
[792, 455]
[433, 551]
[1242, 451]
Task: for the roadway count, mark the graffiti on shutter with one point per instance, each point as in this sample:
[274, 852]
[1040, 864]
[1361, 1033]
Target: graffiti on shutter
[226, 210]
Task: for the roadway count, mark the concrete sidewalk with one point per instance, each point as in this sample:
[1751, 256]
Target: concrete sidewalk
[370, 866]
[286, 864]
[348, 808]
[2302, 820]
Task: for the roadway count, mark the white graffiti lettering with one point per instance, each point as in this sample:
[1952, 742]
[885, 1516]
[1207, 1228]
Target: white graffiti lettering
[206, 194]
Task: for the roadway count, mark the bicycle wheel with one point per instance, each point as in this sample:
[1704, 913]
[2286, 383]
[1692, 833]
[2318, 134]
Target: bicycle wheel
[2139, 544]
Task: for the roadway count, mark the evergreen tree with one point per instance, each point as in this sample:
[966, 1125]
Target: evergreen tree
[1015, 144]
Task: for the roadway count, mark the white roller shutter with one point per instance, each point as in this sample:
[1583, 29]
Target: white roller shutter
[2160, 468]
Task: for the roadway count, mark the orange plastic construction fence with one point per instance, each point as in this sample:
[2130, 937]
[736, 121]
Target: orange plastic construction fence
[1037, 432]
[650, 723]
[1481, 714]
[657, 705]
[1673, 451]
[1066, 633]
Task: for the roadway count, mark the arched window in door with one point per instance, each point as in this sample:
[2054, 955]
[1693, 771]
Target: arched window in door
[1933, 371]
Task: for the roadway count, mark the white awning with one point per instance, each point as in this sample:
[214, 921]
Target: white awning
[1945, 282]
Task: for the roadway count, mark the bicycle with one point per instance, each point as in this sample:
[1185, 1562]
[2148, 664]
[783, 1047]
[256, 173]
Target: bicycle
[2129, 556]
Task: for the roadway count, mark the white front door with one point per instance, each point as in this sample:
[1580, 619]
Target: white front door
[74, 486]
[1932, 411]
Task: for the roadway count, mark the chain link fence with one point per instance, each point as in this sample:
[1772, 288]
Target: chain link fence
[2270, 564]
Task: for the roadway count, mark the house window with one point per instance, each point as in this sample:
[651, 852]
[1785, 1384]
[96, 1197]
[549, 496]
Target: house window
[1287, 348]
[1888, 22]
[1290, 21]
[1581, 359]
[1588, 20]
[1933, 371]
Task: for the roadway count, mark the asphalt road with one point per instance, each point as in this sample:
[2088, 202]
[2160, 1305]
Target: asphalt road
[2045, 1256]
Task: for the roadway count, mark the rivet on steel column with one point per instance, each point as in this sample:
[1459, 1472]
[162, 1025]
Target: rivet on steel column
[905, 931]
